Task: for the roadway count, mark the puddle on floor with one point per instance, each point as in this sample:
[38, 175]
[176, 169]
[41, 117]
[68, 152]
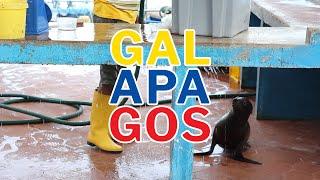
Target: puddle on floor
[8, 145]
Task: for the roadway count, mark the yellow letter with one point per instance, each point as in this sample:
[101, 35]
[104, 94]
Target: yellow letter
[135, 51]
[163, 47]
[190, 51]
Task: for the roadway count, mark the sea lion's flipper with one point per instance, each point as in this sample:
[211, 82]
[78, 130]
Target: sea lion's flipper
[213, 144]
[239, 157]
[245, 147]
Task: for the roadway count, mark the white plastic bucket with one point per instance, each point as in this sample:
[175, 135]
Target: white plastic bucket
[217, 18]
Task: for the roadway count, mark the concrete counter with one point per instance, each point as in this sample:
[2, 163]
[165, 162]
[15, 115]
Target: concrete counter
[90, 45]
[285, 13]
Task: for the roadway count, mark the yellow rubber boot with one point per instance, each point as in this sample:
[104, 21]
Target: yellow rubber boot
[99, 134]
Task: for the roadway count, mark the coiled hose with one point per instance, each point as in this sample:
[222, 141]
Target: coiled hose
[77, 105]
[41, 118]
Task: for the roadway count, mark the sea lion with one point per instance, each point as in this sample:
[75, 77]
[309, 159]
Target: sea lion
[233, 130]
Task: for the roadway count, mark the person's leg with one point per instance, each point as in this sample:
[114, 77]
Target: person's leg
[108, 77]
[108, 73]
[99, 134]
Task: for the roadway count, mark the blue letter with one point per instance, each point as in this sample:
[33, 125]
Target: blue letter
[154, 87]
[132, 91]
[198, 90]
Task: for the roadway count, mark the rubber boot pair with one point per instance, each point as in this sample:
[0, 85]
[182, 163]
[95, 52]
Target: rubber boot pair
[99, 134]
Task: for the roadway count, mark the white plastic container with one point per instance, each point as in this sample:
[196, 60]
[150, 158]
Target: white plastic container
[67, 23]
[217, 18]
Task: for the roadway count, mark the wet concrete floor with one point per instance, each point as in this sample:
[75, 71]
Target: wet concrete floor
[288, 150]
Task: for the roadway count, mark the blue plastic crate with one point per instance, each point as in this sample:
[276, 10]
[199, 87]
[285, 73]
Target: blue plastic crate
[37, 20]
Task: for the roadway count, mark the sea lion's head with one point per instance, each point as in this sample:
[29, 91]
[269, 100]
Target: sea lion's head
[242, 105]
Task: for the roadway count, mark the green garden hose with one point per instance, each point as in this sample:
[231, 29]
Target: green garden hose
[41, 118]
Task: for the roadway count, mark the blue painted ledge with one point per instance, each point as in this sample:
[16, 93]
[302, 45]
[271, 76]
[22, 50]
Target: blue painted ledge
[224, 54]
